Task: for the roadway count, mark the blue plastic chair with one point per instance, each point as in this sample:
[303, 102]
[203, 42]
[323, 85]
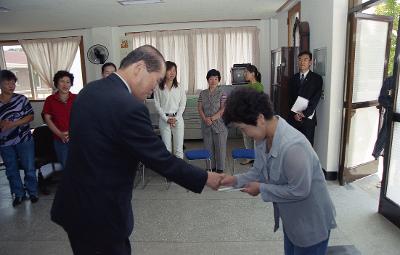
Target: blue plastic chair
[199, 154]
[242, 154]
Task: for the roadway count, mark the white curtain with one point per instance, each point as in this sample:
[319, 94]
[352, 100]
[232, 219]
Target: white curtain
[241, 46]
[174, 47]
[2, 59]
[47, 56]
[199, 50]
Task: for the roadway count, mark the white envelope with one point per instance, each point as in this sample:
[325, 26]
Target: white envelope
[300, 105]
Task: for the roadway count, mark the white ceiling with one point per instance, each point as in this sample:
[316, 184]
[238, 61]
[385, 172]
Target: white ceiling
[48, 15]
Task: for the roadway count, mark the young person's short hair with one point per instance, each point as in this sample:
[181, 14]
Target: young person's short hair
[106, 65]
[306, 52]
[213, 72]
[7, 75]
[244, 105]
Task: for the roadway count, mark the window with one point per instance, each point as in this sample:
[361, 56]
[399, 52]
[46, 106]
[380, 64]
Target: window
[29, 83]
[199, 50]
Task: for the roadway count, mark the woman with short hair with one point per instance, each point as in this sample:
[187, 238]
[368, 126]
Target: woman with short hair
[211, 105]
[56, 113]
[17, 147]
[286, 172]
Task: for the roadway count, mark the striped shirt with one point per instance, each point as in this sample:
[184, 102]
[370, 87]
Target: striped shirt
[17, 108]
[212, 103]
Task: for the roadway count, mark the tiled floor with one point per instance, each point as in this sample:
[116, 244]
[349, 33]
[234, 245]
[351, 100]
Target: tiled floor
[174, 221]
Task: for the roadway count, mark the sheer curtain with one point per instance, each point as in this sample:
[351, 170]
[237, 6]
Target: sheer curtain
[198, 50]
[174, 47]
[2, 59]
[241, 46]
[47, 56]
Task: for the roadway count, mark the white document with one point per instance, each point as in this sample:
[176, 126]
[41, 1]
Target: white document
[229, 189]
[300, 105]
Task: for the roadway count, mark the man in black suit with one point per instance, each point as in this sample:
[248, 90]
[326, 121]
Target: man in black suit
[110, 133]
[308, 85]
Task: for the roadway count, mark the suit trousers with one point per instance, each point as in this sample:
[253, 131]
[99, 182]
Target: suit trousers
[84, 246]
[173, 135]
[216, 144]
[306, 127]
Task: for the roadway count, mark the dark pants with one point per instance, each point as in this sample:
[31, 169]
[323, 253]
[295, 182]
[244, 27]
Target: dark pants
[317, 249]
[306, 127]
[83, 246]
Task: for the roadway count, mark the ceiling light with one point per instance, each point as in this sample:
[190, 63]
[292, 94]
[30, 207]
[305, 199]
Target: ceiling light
[4, 9]
[131, 2]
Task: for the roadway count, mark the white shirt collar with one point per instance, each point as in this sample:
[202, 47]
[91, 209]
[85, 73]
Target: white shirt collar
[126, 84]
[305, 74]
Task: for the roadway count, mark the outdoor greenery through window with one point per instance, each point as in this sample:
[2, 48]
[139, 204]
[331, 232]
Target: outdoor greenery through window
[29, 83]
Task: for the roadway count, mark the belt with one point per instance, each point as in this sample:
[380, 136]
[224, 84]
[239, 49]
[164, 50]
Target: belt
[170, 114]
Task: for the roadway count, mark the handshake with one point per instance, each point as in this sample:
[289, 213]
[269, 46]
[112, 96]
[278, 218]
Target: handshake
[215, 180]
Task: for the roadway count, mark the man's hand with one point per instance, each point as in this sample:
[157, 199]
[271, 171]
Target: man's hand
[214, 180]
[228, 180]
[6, 124]
[299, 116]
[252, 188]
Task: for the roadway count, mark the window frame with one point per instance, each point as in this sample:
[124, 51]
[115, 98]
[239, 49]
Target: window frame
[30, 68]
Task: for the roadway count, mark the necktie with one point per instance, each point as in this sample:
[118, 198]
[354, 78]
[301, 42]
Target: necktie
[302, 78]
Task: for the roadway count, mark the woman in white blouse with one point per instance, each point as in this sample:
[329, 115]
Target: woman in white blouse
[170, 102]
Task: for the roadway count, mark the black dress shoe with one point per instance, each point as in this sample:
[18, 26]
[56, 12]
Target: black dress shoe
[33, 199]
[219, 171]
[17, 201]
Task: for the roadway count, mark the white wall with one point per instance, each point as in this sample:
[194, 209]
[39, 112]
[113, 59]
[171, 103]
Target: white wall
[327, 20]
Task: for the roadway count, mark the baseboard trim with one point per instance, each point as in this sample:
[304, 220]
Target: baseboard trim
[330, 176]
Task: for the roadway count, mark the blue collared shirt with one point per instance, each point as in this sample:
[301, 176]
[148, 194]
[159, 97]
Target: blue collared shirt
[291, 177]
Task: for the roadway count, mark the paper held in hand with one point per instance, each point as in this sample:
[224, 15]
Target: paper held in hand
[229, 189]
[300, 105]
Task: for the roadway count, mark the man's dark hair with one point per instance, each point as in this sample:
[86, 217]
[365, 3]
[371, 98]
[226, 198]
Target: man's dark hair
[152, 58]
[61, 74]
[213, 72]
[6, 75]
[306, 52]
[244, 105]
[168, 66]
[107, 64]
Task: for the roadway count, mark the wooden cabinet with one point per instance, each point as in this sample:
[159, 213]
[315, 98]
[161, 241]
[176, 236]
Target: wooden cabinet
[283, 67]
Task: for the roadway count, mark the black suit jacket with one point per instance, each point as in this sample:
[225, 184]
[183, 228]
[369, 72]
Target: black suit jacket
[110, 132]
[311, 89]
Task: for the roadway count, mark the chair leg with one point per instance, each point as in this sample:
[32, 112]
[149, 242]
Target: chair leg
[143, 181]
[233, 166]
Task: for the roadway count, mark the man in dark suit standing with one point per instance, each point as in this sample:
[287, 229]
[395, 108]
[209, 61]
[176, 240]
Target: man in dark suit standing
[110, 133]
[305, 85]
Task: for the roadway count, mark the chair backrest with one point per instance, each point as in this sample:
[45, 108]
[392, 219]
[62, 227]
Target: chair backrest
[44, 146]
